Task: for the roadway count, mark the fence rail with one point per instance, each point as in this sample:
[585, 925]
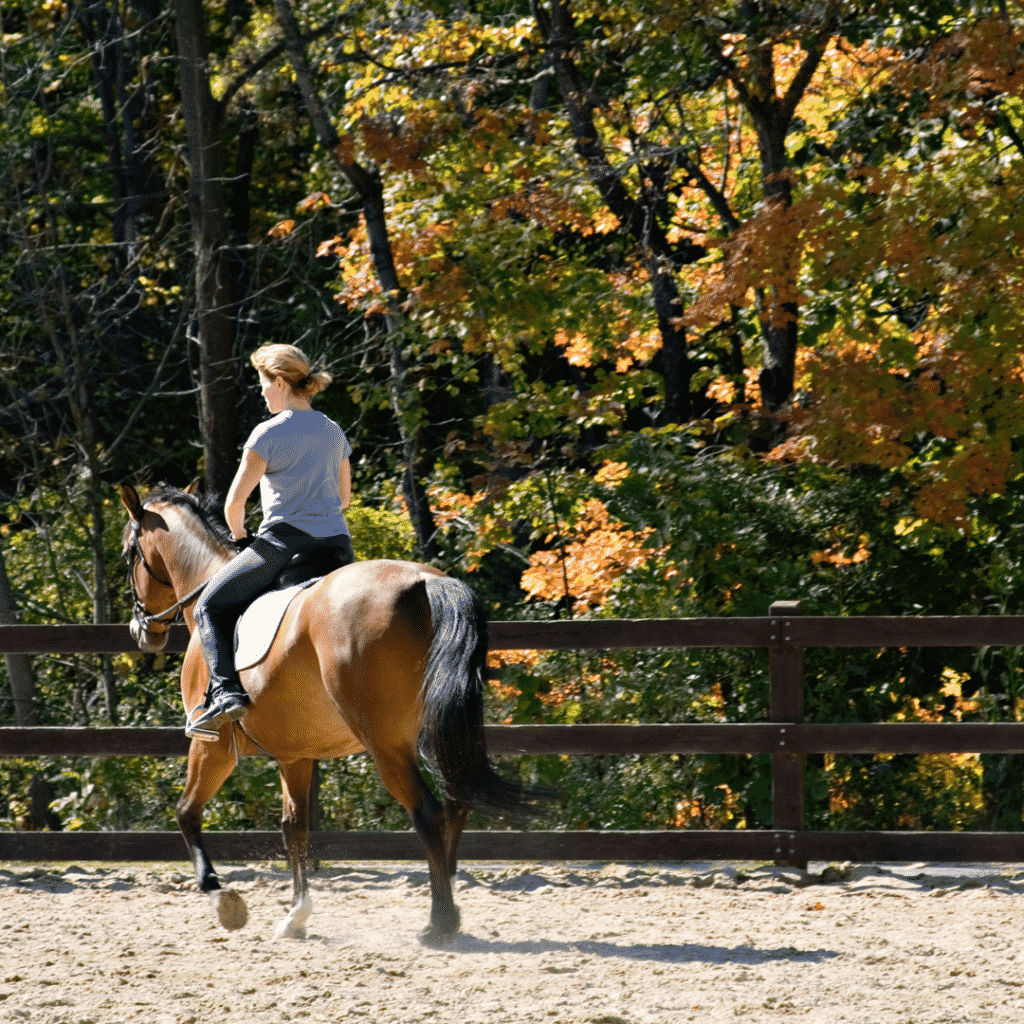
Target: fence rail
[787, 738]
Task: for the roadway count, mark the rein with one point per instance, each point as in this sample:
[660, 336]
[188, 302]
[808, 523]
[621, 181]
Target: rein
[139, 611]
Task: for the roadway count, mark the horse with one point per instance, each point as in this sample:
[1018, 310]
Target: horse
[383, 657]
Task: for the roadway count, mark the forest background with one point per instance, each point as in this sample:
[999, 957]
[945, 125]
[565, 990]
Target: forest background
[634, 310]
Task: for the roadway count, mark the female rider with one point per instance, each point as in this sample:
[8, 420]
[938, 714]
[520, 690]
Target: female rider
[300, 459]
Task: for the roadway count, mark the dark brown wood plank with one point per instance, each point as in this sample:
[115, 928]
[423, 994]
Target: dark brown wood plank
[51, 741]
[80, 639]
[807, 631]
[629, 633]
[908, 738]
[786, 704]
[555, 635]
[760, 738]
[939, 847]
[385, 846]
[909, 631]
[677, 846]
[633, 739]
[532, 740]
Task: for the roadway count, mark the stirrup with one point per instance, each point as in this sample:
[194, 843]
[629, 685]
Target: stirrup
[194, 733]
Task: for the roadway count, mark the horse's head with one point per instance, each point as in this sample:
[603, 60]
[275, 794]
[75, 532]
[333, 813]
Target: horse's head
[149, 581]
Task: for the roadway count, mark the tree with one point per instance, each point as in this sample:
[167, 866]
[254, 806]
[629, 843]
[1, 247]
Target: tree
[216, 295]
[751, 68]
[366, 182]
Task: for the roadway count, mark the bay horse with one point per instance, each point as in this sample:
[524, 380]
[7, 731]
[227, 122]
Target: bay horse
[385, 657]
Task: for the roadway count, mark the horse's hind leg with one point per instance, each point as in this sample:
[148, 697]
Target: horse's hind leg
[402, 777]
[209, 765]
[295, 783]
[456, 814]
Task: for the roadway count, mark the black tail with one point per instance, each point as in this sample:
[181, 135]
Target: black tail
[452, 734]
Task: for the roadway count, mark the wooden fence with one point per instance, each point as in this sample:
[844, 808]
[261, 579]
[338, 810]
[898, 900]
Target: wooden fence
[785, 632]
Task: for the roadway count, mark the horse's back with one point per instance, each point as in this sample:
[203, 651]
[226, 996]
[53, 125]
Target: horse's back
[349, 656]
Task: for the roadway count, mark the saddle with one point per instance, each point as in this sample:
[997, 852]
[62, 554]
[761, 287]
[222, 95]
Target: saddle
[258, 624]
[309, 565]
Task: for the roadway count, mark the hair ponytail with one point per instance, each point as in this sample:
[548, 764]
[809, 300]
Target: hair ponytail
[291, 364]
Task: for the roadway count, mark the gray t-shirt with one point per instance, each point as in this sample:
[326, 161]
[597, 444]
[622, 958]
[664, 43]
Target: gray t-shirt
[303, 450]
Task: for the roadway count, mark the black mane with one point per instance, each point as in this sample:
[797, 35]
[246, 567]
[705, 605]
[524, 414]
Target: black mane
[206, 510]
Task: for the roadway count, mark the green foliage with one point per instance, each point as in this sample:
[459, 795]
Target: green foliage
[740, 534]
[379, 532]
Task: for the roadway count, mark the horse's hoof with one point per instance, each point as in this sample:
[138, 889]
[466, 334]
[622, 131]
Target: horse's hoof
[286, 931]
[230, 908]
[431, 937]
[294, 925]
[434, 937]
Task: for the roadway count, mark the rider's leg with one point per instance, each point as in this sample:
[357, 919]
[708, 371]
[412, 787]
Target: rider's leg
[249, 573]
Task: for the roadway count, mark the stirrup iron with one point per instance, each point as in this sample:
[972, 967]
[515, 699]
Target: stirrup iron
[206, 735]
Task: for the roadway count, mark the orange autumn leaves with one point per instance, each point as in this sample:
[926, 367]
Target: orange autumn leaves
[866, 412]
[939, 231]
[585, 558]
[586, 567]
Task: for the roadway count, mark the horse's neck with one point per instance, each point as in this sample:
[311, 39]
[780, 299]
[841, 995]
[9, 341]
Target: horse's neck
[191, 559]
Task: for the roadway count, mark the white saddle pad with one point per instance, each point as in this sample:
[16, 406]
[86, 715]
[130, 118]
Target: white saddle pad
[259, 623]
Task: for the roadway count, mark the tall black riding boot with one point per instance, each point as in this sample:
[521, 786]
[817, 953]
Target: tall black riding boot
[226, 701]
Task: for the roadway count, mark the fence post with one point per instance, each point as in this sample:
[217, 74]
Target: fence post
[786, 681]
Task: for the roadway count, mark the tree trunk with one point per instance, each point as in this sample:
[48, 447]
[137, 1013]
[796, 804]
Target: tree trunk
[636, 216]
[772, 115]
[22, 680]
[19, 666]
[214, 326]
[367, 185]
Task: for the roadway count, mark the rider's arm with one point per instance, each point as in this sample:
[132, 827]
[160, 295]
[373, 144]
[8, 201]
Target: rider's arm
[345, 483]
[250, 469]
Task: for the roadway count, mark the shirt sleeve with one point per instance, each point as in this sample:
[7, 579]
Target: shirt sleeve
[261, 441]
[346, 446]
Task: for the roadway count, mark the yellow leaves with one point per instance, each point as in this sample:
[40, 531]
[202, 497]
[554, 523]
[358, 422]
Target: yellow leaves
[612, 473]
[966, 69]
[403, 142]
[576, 346]
[975, 470]
[605, 221]
[833, 555]
[588, 347]
[763, 253]
[155, 293]
[947, 421]
[694, 812]
[952, 686]
[331, 247]
[313, 202]
[282, 229]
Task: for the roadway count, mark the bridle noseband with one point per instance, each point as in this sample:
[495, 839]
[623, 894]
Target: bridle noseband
[140, 613]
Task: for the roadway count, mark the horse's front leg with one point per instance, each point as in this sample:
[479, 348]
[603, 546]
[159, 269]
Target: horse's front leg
[209, 765]
[295, 784]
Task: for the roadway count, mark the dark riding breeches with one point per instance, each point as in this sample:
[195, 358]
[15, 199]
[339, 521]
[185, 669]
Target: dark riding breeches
[248, 574]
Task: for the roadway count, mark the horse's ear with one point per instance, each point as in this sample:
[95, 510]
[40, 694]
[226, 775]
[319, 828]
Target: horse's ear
[193, 488]
[130, 500]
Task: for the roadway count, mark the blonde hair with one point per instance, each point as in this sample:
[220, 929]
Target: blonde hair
[290, 364]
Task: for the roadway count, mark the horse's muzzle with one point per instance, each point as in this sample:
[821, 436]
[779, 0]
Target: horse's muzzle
[149, 643]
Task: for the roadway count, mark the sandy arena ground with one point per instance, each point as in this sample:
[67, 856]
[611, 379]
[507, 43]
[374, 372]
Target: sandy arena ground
[564, 944]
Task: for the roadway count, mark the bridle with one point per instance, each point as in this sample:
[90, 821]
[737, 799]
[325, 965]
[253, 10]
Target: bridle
[140, 613]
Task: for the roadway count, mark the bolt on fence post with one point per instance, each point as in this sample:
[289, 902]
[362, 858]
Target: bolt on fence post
[786, 681]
